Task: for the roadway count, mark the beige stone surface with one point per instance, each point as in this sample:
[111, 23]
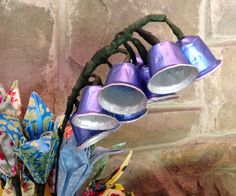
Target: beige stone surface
[219, 91]
[222, 16]
[26, 37]
[201, 166]
[155, 128]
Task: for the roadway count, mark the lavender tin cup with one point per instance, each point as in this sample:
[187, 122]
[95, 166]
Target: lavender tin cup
[90, 115]
[199, 55]
[144, 76]
[86, 138]
[169, 70]
[122, 93]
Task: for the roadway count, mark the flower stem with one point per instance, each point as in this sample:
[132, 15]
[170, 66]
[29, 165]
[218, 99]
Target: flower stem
[16, 184]
[41, 188]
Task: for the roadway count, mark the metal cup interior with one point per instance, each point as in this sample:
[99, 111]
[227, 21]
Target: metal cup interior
[121, 98]
[95, 121]
[172, 79]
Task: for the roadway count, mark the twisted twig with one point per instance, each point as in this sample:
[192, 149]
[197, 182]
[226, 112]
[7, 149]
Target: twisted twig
[141, 49]
[148, 37]
[132, 53]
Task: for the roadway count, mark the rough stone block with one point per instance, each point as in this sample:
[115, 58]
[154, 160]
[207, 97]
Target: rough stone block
[219, 90]
[26, 37]
[201, 167]
[91, 31]
[222, 18]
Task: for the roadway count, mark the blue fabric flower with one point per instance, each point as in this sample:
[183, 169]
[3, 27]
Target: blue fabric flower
[35, 140]
[76, 166]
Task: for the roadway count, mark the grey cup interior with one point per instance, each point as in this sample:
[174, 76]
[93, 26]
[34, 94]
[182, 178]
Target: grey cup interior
[122, 99]
[95, 121]
[173, 79]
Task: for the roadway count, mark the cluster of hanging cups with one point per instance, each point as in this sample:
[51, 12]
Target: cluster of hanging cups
[129, 88]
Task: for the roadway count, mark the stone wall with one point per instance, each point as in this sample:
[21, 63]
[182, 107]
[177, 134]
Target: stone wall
[182, 147]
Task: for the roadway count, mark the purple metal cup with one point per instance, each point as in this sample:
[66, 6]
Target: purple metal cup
[169, 70]
[144, 76]
[199, 55]
[86, 138]
[123, 93]
[90, 115]
[128, 118]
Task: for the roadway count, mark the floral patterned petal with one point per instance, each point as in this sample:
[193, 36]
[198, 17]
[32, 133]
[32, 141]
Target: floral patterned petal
[14, 96]
[38, 115]
[10, 102]
[9, 189]
[12, 127]
[7, 157]
[39, 156]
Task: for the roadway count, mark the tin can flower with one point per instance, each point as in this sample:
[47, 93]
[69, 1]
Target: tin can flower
[36, 140]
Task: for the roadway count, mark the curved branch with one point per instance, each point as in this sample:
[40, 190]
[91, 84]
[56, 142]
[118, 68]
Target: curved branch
[141, 49]
[122, 50]
[97, 80]
[109, 64]
[148, 37]
[132, 53]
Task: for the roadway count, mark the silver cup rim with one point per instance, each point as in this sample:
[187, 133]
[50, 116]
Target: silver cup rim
[122, 84]
[97, 127]
[154, 100]
[94, 139]
[145, 112]
[180, 87]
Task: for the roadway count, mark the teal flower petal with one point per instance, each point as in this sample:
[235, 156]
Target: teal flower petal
[12, 126]
[39, 156]
[38, 115]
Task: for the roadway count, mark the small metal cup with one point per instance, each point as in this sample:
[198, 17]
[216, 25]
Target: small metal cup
[122, 93]
[90, 115]
[169, 70]
[199, 55]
